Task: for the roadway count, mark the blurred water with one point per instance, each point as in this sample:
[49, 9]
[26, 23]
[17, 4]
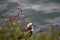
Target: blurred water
[38, 18]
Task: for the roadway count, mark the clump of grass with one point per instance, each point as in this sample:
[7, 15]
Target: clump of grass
[14, 33]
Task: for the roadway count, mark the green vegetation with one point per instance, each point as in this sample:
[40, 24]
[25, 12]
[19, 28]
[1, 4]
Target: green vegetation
[14, 33]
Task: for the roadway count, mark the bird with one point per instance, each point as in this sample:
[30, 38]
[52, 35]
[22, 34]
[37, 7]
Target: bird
[20, 9]
[28, 29]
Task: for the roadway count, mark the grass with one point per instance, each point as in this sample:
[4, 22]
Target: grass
[14, 33]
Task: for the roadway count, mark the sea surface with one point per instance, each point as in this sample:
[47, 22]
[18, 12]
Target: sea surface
[41, 13]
